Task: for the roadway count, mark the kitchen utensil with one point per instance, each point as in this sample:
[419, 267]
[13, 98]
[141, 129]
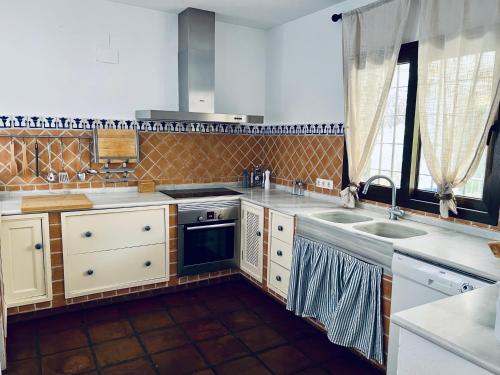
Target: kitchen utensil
[63, 175]
[80, 174]
[37, 161]
[51, 175]
[24, 165]
[116, 145]
[13, 165]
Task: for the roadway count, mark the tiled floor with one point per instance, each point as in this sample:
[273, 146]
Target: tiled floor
[230, 328]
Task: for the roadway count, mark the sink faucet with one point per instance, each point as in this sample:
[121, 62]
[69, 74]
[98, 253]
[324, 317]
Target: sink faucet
[394, 211]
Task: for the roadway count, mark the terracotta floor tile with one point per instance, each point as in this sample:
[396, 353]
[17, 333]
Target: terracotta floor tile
[313, 371]
[152, 320]
[241, 319]
[253, 298]
[179, 361]
[284, 360]
[65, 340]
[24, 367]
[111, 352]
[179, 299]
[60, 322]
[109, 330]
[224, 304]
[205, 329]
[294, 329]
[104, 313]
[260, 338]
[21, 348]
[273, 312]
[319, 349]
[22, 330]
[142, 306]
[207, 371]
[138, 367]
[243, 366]
[350, 364]
[163, 339]
[71, 362]
[222, 349]
[186, 313]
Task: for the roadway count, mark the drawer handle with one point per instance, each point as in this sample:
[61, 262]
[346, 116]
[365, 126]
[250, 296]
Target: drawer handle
[280, 228]
[90, 272]
[278, 278]
[88, 234]
[39, 246]
[258, 233]
[280, 253]
[147, 228]
[147, 263]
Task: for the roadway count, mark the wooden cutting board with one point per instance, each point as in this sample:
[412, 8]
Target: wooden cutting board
[116, 145]
[59, 202]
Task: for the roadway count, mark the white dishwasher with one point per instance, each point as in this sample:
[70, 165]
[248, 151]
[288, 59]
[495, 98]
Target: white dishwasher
[416, 282]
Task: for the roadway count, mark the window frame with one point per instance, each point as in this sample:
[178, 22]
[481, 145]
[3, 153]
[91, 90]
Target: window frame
[408, 195]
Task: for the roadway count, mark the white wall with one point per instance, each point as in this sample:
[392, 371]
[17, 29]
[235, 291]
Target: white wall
[304, 68]
[48, 60]
[48, 64]
[240, 69]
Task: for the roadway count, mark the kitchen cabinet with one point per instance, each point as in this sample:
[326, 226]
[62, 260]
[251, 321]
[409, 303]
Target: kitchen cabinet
[252, 242]
[281, 232]
[26, 266]
[113, 249]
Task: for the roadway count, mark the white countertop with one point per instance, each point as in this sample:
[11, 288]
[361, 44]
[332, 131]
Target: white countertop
[465, 250]
[463, 324]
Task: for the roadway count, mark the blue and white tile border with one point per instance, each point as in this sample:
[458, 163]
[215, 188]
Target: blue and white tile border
[67, 123]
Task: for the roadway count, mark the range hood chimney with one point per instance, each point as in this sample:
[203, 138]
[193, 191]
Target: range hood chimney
[196, 74]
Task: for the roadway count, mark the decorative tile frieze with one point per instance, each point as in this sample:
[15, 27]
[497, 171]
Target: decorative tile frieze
[67, 123]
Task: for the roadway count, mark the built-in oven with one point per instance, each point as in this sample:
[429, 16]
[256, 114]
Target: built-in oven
[208, 237]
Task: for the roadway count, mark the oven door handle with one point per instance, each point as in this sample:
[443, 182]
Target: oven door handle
[213, 226]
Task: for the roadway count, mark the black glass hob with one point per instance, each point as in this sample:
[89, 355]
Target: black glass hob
[199, 193]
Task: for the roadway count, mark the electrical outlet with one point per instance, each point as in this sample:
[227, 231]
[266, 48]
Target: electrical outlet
[326, 184]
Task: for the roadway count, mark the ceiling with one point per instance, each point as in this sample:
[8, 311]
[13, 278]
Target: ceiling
[255, 13]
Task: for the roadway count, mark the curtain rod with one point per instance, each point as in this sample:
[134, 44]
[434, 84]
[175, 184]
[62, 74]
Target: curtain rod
[337, 17]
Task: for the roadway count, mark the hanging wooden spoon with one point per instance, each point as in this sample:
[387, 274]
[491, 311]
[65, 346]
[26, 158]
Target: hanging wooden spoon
[24, 167]
[13, 165]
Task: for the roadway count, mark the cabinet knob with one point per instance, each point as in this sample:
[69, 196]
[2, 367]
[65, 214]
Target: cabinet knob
[280, 228]
[147, 263]
[39, 246]
[280, 253]
[278, 278]
[88, 234]
[258, 233]
[147, 228]
[90, 272]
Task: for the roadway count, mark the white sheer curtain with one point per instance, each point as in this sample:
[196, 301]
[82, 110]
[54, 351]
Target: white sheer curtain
[458, 88]
[371, 42]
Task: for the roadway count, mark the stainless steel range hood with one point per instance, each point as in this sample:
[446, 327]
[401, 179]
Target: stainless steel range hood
[197, 74]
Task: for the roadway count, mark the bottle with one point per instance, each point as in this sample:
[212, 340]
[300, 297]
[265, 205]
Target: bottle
[244, 183]
[294, 187]
[497, 320]
[251, 179]
[267, 180]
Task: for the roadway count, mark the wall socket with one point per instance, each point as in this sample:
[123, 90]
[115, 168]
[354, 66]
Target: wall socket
[326, 184]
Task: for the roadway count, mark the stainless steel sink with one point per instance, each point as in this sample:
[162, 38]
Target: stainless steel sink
[341, 217]
[390, 230]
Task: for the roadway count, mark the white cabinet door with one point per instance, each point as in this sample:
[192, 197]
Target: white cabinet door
[25, 252]
[252, 242]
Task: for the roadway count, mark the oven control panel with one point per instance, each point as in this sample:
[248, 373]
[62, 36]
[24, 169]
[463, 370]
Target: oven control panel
[211, 215]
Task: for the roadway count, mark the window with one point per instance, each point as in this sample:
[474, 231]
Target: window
[397, 153]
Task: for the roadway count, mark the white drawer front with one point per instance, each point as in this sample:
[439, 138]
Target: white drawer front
[281, 252]
[282, 227]
[279, 278]
[90, 232]
[108, 270]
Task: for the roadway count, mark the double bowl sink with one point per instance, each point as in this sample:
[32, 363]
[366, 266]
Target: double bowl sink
[367, 225]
